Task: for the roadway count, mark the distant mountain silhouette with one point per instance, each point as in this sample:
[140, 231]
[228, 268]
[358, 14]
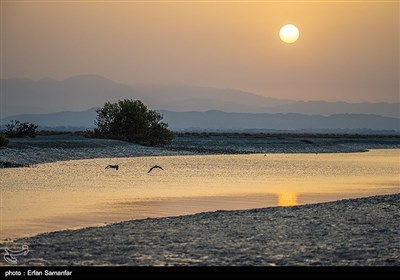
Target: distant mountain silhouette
[83, 119]
[226, 121]
[223, 120]
[329, 108]
[81, 92]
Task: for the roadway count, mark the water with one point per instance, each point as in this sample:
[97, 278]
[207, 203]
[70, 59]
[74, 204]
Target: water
[79, 193]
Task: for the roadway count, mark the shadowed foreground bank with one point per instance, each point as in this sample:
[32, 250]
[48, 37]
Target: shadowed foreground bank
[362, 231]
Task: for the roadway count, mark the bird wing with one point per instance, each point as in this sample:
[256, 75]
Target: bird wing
[155, 166]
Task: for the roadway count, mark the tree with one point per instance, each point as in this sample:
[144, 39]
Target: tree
[21, 129]
[131, 120]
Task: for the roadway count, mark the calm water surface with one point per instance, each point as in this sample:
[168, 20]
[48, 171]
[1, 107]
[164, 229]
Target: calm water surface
[79, 193]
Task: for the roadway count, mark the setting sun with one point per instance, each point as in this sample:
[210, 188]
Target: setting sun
[289, 33]
[206, 133]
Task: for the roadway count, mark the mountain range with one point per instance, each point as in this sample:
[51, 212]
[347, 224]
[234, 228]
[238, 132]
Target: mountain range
[78, 93]
[218, 120]
[52, 103]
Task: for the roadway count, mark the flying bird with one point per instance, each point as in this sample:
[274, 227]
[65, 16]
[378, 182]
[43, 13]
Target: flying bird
[116, 167]
[155, 166]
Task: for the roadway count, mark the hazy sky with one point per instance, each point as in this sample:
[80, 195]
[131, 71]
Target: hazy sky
[346, 51]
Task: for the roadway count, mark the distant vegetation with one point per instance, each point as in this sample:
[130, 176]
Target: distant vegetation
[281, 135]
[3, 140]
[58, 132]
[131, 120]
[17, 129]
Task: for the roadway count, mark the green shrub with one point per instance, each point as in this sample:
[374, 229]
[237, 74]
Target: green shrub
[3, 140]
[132, 121]
[19, 129]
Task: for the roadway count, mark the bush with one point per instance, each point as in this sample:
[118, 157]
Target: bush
[21, 129]
[132, 121]
[91, 133]
[3, 140]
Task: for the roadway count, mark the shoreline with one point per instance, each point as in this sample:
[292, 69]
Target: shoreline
[362, 231]
[81, 193]
[27, 152]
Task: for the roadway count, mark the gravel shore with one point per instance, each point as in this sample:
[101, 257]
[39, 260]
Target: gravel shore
[356, 232]
[52, 148]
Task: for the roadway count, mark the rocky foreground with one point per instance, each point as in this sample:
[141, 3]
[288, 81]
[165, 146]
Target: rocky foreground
[356, 232]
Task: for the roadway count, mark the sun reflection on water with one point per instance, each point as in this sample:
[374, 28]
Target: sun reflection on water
[287, 199]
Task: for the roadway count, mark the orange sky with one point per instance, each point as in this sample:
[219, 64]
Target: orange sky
[346, 51]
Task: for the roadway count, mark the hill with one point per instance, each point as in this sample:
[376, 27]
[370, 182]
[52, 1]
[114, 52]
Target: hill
[218, 120]
[25, 96]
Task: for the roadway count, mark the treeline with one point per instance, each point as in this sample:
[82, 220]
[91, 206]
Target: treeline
[283, 135]
[17, 129]
[126, 120]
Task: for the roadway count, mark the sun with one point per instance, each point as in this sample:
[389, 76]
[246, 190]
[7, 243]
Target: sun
[289, 33]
